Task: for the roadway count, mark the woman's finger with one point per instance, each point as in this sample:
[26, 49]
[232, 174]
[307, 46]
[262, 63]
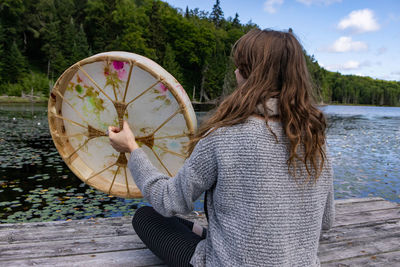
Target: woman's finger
[126, 124]
[110, 134]
[128, 128]
[113, 129]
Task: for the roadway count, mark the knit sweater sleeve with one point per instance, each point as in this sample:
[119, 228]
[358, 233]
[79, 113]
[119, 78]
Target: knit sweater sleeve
[170, 196]
[329, 212]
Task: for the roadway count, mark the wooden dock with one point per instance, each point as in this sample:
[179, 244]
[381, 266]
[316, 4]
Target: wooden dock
[366, 233]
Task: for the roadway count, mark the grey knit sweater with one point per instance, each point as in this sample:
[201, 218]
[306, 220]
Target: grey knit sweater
[258, 214]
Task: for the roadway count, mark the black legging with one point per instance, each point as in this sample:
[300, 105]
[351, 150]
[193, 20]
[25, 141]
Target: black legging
[171, 239]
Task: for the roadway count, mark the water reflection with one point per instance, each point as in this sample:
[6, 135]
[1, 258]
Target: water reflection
[365, 145]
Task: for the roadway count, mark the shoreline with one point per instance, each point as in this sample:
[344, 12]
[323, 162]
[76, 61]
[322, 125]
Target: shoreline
[18, 99]
[364, 105]
[41, 100]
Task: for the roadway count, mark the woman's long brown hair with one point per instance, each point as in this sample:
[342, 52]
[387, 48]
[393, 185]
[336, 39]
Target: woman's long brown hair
[273, 65]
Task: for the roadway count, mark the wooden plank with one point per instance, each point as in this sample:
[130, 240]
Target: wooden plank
[68, 247]
[47, 231]
[366, 216]
[364, 206]
[132, 258]
[366, 233]
[359, 247]
[62, 224]
[74, 223]
[389, 259]
[352, 232]
[357, 200]
[113, 221]
[52, 234]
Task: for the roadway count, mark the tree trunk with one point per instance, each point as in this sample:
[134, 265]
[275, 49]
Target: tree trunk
[203, 79]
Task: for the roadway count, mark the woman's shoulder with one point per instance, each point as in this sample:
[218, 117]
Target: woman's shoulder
[250, 128]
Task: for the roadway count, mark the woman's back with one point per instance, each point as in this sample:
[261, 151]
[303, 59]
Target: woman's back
[268, 184]
[258, 214]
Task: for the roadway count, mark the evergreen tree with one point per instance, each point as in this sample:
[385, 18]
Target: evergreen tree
[99, 24]
[217, 15]
[16, 64]
[134, 25]
[156, 39]
[229, 78]
[2, 54]
[214, 76]
[75, 43]
[56, 62]
[170, 64]
[236, 21]
[81, 48]
[187, 14]
[68, 41]
[11, 12]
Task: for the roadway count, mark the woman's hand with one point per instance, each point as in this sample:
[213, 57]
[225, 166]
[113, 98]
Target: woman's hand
[122, 141]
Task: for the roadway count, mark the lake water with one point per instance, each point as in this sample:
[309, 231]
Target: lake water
[364, 142]
[36, 185]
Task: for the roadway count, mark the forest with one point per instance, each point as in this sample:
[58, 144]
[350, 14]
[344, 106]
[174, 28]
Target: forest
[39, 39]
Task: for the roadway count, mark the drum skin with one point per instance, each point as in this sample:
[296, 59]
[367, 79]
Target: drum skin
[106, 89]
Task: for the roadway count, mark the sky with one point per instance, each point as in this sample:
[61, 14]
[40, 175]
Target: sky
[360, 37]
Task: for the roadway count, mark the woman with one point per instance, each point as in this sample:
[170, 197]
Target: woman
[262, 162]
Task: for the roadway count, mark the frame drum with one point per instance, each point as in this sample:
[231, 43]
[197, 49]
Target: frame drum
[105, 90]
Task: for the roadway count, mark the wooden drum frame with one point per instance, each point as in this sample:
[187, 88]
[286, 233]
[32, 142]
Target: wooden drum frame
[106, 89]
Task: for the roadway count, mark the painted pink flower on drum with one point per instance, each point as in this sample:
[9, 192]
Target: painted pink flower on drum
[118, 65]
[121, 74]
[163, 89]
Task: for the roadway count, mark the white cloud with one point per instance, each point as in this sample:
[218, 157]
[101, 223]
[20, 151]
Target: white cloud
[360, 21]
[346, 44]
[271, 5]
[394, 76]
[319, 2]
[348, 65]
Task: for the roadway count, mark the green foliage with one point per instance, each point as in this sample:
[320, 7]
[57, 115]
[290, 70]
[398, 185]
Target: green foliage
[230, 78]
[75, 43]
[217, 15]
[333, 87]
[11, 12]
[15, 64]
[236, 21]
[212, 75]
[80, 49]
[155, 36]
[132, 22]
[99, 24]
[170, 63]
[2, 54]
[48, 36]
[12, 89]
[36, 82]
[28, 83]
